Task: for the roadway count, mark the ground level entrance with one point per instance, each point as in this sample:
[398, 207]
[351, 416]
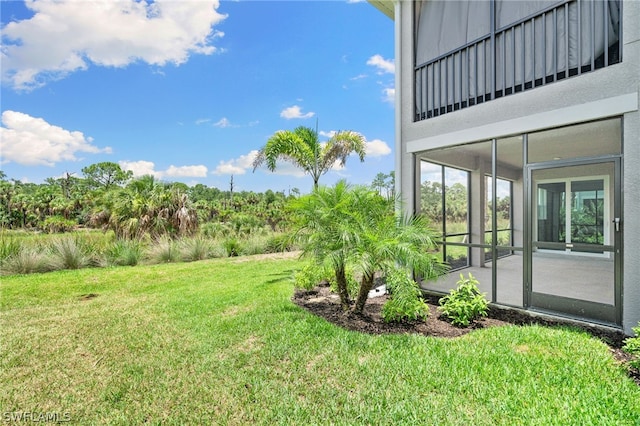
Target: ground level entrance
[536, 218]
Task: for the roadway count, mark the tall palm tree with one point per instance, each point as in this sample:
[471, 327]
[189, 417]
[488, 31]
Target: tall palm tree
[302, 148]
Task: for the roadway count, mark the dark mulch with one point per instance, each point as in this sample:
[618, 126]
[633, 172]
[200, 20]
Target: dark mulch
[321, 302]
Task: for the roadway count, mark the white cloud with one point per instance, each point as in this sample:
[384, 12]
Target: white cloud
[202, 121]
[222, 123]
[238, 166]
[377, 148]
[67, 36]
[32, 141]
[384, 66]
[142, 168]
[186, 171]
[284, 168]
[328, 134]
[358, 77]
[389, 95]
[295, 112]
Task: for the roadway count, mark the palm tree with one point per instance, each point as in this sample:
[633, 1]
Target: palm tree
[391, 241]
[324, 225]
[302, 148]
[147, 207]
[355, 226]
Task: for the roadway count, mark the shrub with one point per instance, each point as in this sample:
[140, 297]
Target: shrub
[69, 253]
[279, 243]
[8, 247]
[465, 303]
[232, 247]
[310, 276]
[124, 253]
[215, 229]
[406, 298]
[56, 224]
[25, 261]
[632, 346]
[253, 245]
[197, 248]
[165, 250]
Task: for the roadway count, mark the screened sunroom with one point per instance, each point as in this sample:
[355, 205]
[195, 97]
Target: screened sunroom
[535, 217]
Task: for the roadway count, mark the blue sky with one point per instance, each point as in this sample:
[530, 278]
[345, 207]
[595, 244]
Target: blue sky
[189, 90]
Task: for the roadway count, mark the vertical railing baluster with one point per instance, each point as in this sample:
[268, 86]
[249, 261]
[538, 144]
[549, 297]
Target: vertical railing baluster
[424, 89]
[513, 58]
[434, 87]
[446, 82]
[566, 40]
[522, 54]
[554, 49]
[503, 36]
[592, 30]
[579, 37]
[544, 48]
[605, 18]
[533, 53]
[475, 73]
[492, 28]
[439, 85]
[461, 79]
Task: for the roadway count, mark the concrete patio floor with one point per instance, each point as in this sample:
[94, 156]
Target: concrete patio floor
[579, 277]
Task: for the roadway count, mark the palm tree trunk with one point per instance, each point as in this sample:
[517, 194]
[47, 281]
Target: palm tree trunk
[363, 293]
[343, 292]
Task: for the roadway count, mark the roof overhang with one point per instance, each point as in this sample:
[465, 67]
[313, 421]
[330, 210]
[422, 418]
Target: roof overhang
[384, 6]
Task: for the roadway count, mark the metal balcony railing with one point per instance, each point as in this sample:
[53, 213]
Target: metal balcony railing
[563, 41]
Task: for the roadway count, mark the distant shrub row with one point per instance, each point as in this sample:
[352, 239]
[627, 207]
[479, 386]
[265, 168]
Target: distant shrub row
[26, 255]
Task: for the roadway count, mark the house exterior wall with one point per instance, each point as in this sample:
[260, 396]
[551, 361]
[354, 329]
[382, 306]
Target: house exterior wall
[611, 91]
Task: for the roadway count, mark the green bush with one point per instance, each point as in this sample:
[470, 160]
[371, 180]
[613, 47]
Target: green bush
[632, 346]
[232, 247]
[69, 253]
[164, 250]
[56, 224]
[278, 243]
[215, 229]
[310, 276]
[465, 303]
[8, 247]
[124, 253]
[253, 245]
[406, 298]
[198, 248]
[26, 261]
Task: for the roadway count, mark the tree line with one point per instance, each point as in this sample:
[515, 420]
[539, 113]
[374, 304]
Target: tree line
[107, 197]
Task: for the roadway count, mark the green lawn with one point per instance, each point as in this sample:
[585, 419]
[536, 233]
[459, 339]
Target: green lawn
[220, 342]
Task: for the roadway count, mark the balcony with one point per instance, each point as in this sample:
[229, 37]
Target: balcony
[561, 41]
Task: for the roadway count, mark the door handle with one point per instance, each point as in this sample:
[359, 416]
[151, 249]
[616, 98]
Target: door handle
[616, 223]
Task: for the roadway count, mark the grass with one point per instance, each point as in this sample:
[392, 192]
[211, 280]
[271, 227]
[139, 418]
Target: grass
[220, 342]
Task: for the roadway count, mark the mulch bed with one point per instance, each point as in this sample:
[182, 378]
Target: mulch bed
[322, 302]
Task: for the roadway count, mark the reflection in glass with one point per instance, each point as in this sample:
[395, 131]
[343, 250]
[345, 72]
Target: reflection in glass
[587, 212]
[551, 212]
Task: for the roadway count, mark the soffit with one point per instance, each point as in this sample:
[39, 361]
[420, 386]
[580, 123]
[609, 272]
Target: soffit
[384, 6]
